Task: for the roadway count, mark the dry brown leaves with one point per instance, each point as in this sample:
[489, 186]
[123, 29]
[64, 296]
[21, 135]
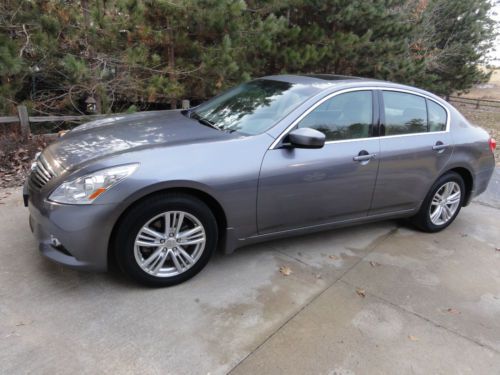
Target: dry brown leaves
[361, 292]
[16, 156]
[452, 311]
[285, 270]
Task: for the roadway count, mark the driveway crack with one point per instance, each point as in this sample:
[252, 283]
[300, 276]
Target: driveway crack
[369, 249]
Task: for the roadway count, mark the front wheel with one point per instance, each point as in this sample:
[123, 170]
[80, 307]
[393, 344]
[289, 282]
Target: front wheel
[166, 239]
[442, 204]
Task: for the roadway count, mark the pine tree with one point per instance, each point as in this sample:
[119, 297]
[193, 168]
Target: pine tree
[453, 38]
[145, 54]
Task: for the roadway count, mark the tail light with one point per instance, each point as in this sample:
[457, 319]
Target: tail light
[493, 144]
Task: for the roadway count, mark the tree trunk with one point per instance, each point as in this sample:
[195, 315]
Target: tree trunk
[171, 61]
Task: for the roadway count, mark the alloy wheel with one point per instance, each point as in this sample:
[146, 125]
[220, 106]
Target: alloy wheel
[169, 244]
[445, 203]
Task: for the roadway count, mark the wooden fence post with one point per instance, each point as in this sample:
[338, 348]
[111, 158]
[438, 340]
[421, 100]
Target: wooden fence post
[24, 121]
[185, 104]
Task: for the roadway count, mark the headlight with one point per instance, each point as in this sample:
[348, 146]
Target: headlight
[85, 189]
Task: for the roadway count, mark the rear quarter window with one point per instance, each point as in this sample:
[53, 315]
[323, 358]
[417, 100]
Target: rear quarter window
[437, 117]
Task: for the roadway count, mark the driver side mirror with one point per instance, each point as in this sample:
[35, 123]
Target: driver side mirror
[306, 138]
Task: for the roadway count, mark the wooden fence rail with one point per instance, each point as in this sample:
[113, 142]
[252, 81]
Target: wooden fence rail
[476, 102]
[24, 119]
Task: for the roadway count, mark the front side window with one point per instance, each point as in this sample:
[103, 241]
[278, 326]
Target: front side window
[404, 113]
[253, 107]
[344, 116]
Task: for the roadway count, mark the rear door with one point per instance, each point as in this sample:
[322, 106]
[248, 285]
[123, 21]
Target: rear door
[415, 145]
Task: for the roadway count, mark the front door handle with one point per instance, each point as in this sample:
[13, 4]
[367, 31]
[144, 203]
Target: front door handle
[439, 146]
[364, 156]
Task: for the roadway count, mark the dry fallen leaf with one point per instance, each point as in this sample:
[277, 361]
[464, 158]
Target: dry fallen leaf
[497, 248]
[361, 292]
[318, 276]
[374, 264]
[333, 257]
[285, 270]
[413, 338]
[452, 311]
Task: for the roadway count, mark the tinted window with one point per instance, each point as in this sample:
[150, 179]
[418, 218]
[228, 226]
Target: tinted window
[345, 116]
[437, 117]
[253, 107]
[404, 113]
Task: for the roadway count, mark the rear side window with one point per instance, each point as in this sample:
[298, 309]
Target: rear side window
[437, 117]
[404, 113]
[408, 114]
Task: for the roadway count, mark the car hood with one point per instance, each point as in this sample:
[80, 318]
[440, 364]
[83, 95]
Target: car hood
[121, 133]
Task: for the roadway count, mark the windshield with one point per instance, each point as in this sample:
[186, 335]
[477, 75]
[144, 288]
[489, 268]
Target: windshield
[253, 107]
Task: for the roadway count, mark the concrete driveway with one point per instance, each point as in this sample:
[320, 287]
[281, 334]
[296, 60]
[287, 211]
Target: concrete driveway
[374, 299]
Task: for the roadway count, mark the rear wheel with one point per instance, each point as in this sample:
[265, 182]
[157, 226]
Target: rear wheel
[166, 239]
[442, 204]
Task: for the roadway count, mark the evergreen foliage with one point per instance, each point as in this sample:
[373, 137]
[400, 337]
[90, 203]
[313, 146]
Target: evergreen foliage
[138, 54]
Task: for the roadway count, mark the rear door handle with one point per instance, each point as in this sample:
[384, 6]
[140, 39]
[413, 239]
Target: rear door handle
[364, 157]
[439, 146]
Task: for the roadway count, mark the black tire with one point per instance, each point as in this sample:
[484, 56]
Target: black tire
[145, 210]
[422, 219]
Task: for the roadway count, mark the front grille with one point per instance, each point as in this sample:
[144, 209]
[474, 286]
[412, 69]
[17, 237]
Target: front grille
[41, 173]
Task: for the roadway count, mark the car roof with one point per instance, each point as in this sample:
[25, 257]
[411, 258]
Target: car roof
[328, 81]
[312, 79]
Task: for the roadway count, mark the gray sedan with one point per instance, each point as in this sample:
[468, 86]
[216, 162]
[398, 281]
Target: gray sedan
[159, 192]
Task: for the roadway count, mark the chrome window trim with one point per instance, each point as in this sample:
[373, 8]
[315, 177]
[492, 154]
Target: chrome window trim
[366, 88]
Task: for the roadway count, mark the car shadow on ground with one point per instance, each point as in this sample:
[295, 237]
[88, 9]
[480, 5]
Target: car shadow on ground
[117, 279]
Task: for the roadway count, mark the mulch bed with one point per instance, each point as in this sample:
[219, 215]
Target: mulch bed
[16, 156]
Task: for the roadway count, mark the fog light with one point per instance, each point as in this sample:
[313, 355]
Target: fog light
[55, 242]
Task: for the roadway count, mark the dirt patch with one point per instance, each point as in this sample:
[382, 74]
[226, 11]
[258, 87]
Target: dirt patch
[485, 118]
[16, 156]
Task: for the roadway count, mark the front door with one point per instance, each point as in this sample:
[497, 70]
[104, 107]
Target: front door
[305, 187]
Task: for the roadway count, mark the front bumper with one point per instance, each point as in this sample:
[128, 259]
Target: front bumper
[83, 231]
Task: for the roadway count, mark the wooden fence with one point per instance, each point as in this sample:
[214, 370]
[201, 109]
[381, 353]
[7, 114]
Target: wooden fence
[477, 103]
[26, 120]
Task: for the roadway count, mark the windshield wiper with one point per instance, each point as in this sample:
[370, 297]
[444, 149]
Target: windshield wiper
[206, 122]
[203, 121]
